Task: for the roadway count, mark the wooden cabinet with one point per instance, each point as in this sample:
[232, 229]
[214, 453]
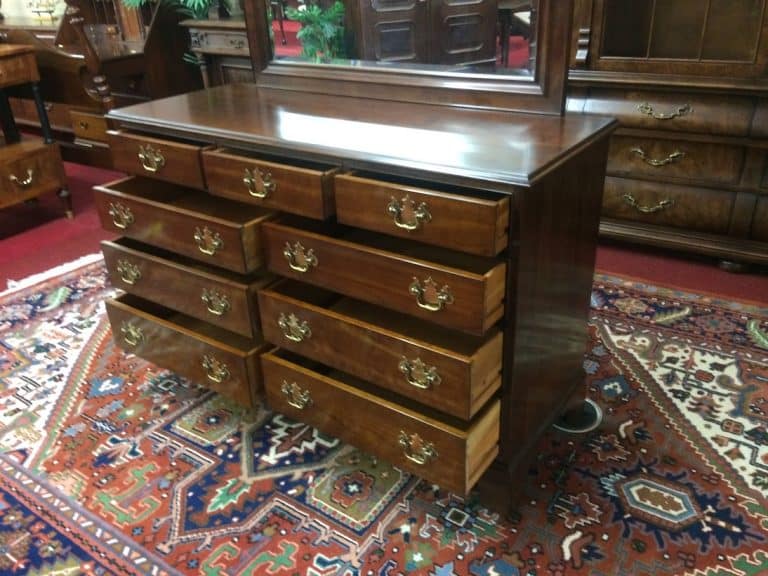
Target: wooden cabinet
[686, 79]
[221, 47]
[408, 304]
[425, 31]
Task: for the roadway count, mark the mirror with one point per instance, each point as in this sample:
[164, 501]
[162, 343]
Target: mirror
[499, 54]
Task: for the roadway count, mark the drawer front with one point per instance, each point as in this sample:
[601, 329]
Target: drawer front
[661, 158]
[450, 380]
[760, 220]
[284, 187]
[233, 372]
[163, 159]
[219, 42]
[18, 69]
[58, 114]
[685, 207]
[195, 291]
[450, 297]
[89, 126]
[451, 457]
[157, 219]
[37, 170]
[760, 121]
[474, 225]
[679, 112]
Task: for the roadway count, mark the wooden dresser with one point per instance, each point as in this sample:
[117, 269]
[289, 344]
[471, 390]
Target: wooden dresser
[687, 79]
[413, 279]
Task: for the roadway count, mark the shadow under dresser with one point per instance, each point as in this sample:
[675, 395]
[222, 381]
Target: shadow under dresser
[412, 279]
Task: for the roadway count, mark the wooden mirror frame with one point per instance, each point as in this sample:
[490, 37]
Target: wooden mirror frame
[543, 93]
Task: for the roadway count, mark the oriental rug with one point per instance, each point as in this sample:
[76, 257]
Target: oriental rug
[110, 465]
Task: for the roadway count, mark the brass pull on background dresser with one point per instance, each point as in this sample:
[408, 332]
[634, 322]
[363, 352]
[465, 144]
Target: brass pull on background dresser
[151, 159]
[122, 217]
[24, 182]
[299, 258]
[215, 302]
[428, 296]
[215, 370]
[208, 241]
[129, 273]
[407, 214]
[675, 156]
[416, 449]
[132, 334]
[259, 183]
[632, 201]
[647, 109]
[298, 398]
[419, 374]
[294, 329]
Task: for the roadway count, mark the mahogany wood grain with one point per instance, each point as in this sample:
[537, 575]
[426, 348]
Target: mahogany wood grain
[371, 343]
[675, 159]
[182, 344]
[170, 217]
[17, 65]
[29, 168]
[223, 299]
[181, 162]
[760, 120]
[760, 220]
[361, 415]
[304, 190]
[692, 208]
[460, 221]
[89, 126]
[381, 271]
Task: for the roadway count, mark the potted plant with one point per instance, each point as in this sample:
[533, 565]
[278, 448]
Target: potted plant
[322, 30]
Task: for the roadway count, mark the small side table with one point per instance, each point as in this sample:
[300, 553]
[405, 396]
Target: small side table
[29, 166]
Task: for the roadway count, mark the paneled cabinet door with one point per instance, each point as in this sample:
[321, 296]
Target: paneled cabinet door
[462, 31]
[393, 30]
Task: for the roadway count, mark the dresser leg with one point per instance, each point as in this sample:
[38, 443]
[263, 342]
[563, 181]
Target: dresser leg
[66, 198]
[502, 488]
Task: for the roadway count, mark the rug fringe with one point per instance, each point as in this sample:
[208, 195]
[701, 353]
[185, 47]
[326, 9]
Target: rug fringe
[16, 285]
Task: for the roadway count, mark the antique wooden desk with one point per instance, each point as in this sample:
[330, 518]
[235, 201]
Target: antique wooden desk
[411, 278]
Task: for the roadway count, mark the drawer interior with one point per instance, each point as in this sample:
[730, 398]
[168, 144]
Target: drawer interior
[427, 185]
[408, 326]
[265, 157]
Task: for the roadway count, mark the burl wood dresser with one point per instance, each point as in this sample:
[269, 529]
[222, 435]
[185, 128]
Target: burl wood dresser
[410, 278]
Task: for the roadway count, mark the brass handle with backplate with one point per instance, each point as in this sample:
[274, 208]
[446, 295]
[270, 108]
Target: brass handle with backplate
[259, 183]
[419, 374]
[416, 449]
[647, 109]
[215, 370]
[25, 181]
[152, 160]
[407, 214]
[215, 302]
[632, 201]
[129, 273]
[208, 241]
[298, 398]
[122, 217]
[299, 258]
[675, 156]
[428, 296]
[294, 329]
[132, 334]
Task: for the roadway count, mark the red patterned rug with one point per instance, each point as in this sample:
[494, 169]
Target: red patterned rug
[110, 465]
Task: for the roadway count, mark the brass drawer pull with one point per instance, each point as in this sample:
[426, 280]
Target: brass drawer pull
[407, 214]
[418, 374]
[416, 449]
[208, 241]
[647, 109]
[659, 206]
[24, 182]
[676, 156]
[132, 334]
[215, 370]
[83, 124]
[298, 398]
[294, 329]
[122, 217]
[216, 302]
[259, 184]
[428, 296]
[299, 258]
[129, 273]
[152, 160]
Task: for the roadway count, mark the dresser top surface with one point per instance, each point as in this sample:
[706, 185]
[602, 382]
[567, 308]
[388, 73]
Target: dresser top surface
[470, 146]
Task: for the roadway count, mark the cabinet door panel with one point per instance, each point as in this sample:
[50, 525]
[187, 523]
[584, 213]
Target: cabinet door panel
[463, 31]
[394, 30]
[733, 31]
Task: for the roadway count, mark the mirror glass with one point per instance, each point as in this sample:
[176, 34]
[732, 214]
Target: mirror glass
[494, 37]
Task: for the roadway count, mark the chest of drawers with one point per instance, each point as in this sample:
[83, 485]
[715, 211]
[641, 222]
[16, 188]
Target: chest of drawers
[413, 280]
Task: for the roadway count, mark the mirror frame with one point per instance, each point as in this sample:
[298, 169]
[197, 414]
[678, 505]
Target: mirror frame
[543, 93]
